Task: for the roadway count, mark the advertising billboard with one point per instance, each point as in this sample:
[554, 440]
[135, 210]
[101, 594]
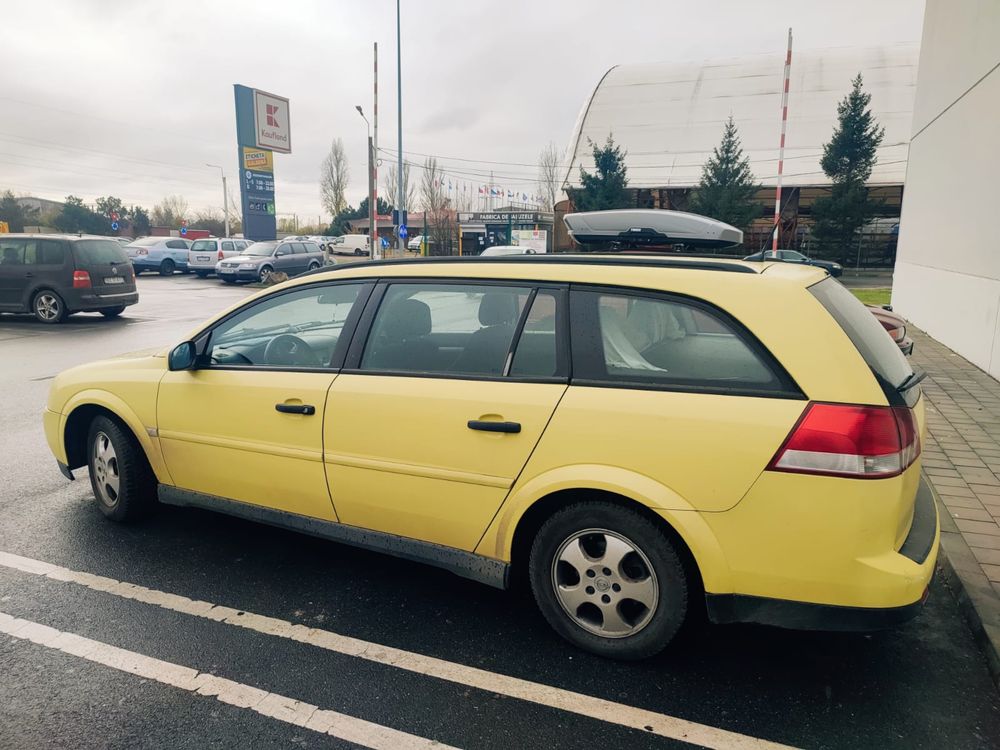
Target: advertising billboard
[262, 127]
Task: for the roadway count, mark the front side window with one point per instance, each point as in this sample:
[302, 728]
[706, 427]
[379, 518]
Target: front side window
[445, 328]
[659, 341]
[300, 329]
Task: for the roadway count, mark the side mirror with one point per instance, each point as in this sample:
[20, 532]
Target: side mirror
[279, 252]
[182, 357]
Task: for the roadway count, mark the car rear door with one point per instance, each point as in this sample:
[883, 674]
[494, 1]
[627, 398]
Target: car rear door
[437, 409]
[178, 250]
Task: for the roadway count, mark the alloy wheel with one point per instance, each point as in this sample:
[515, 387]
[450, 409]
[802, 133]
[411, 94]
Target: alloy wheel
[108, 479]
[48, 306]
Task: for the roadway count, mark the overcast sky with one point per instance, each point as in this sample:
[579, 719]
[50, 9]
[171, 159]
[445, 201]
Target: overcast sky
[132, 98]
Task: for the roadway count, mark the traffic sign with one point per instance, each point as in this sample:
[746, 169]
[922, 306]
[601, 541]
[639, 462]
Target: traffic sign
[402, 231]
[184, 231]
[114, 226]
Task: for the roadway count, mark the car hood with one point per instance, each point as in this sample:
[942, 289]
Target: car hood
[248, 258]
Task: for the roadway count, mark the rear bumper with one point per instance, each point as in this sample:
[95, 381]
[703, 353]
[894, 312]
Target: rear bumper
[82, 300]
[817, 575]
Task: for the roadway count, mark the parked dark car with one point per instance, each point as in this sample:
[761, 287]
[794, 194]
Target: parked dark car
[261, 259]
[793, 256]
[54, 276]
[895, 325]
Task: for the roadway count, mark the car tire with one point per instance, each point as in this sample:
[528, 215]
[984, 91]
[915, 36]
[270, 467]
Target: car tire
[48, 306]
[264, 274]
[313, 266]
[229, 281]
[201, 274]
[112, 312]
[167, 267]
[624, 555]
[358, 251]
[123, 482]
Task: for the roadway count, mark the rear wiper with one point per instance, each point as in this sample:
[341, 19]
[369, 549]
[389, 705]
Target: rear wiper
[911, 380]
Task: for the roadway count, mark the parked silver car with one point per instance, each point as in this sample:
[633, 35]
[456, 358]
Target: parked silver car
[204, 254]
[261, 259]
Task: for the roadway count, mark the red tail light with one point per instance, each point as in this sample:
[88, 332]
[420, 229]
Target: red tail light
[81, 280]
[844, 440]
[221, 256]
[897, 332]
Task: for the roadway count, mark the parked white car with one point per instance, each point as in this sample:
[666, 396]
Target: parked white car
[349, 244]
[507, 250]
[204, 254]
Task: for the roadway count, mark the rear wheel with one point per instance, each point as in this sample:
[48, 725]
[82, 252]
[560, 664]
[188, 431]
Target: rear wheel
[112, 312]
[167, 267]
[358, 251]
[608, 580]
[48, 306]
[313, 266]
[120, 475]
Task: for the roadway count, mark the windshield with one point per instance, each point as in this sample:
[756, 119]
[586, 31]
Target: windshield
[865, 332]
[261, 249]
[203, 245]
[99, 251]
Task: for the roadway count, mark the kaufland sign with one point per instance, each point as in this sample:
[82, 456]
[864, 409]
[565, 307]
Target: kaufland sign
[271, 122]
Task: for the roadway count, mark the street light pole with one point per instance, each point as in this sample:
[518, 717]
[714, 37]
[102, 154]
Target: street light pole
[372, 231]
[399, 131]
[225, 194]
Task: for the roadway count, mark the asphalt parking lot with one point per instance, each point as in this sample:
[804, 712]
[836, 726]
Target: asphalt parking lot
[238, 635]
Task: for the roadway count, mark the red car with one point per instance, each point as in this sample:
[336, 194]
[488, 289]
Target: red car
[895, 326]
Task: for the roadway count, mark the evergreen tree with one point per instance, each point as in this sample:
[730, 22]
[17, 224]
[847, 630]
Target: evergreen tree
[606, 187]
[847, 160]
[727, 188]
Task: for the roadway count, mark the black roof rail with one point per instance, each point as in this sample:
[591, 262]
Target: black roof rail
[647, 261]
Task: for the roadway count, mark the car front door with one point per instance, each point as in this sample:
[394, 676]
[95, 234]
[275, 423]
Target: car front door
[13, 273]
[437, 411]
[284, 258]
[247, 423]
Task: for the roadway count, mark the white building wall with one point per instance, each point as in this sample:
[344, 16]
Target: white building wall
[947, 277]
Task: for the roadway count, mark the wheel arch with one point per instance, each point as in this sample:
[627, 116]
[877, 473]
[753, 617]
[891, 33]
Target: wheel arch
[510, 535]
[84, 408]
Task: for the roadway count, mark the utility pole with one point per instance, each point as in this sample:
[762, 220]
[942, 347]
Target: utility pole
[781, 145]
[377, 246]
[372, 221]
[399, 131]
[225, 195]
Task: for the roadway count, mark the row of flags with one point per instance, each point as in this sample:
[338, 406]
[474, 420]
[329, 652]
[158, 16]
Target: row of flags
[487, 191]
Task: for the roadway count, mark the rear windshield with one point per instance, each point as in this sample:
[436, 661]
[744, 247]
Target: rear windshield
[203, 245]
[99, 251]
[865, 332]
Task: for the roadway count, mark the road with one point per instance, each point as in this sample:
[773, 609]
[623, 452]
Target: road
[369, 651]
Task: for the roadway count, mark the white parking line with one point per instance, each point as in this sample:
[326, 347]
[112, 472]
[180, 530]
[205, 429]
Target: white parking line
[272, 705]
[512, 687]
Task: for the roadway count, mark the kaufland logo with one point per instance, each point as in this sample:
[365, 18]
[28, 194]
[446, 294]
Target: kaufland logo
[272, 116]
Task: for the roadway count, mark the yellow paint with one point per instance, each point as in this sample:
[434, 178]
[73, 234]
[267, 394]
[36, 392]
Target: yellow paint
[395, 454]
[258, 159]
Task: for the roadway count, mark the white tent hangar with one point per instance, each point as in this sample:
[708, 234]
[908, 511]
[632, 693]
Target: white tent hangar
[669, 117]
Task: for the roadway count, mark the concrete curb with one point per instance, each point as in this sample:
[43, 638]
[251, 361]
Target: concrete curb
[976, 597]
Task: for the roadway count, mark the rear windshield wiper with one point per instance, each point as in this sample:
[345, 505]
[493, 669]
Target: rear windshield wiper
[911, 380]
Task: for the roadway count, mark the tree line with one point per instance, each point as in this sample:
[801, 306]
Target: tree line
[727, 190]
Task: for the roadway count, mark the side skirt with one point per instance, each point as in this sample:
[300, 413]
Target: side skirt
[466, 564]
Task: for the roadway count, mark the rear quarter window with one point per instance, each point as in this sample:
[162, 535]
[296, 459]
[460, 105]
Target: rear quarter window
[877, 348]
[99, 251]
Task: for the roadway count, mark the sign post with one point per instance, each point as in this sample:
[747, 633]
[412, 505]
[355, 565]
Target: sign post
[262, 127]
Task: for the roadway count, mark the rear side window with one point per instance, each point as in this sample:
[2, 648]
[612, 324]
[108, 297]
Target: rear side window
[298, 248]
[99, 251]
[865, 332]
[228, 246]
[668, 342]
[177, 244]
[45, 253]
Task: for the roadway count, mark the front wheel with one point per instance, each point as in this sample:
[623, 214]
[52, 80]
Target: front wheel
[608, 580]
[48, 307]
[265, 274]
[120, 475]
[112, 312]
[167, 267]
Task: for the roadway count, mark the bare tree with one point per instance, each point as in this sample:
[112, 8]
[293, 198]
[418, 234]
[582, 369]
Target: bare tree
[549, 175]
[333, 179]
[390, 186]
[169, 212]
[438, 221]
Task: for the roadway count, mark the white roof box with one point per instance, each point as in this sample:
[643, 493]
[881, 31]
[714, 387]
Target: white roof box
[649, 226]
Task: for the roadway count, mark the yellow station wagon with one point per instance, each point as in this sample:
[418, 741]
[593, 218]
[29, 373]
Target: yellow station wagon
[639, 436]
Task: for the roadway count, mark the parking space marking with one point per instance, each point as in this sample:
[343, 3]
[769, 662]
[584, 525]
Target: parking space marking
[513, 687]
[272, 705]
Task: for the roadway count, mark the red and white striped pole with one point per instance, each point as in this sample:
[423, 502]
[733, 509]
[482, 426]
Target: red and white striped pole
[781, 145]
[376, 243]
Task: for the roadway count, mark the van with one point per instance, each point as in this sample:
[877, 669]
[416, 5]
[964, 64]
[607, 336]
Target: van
[349, 244]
